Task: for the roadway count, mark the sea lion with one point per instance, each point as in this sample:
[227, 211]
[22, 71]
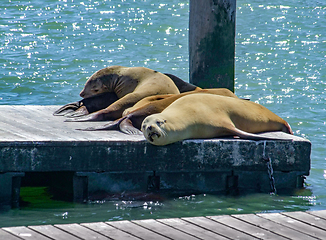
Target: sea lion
[87, 105]
[144, 101]
[209, 116]
[131, 123]
[130, 84]
[182, 85]
[101, 101]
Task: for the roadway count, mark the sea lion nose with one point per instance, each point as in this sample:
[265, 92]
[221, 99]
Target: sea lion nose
[82, 94]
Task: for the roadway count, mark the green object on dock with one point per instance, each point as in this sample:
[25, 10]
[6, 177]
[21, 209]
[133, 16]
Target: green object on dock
[37, 147]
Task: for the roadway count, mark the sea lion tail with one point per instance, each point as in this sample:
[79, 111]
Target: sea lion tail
[287, 128]
[252, 136]
[182, 85]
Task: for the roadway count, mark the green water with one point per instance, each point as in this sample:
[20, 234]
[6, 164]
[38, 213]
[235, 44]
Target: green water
[41, 209]
[49, 48]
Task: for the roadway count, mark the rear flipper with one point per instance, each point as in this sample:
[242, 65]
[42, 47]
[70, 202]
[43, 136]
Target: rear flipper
[123, 124]
[253, 136]
[127, 127]
[68, 108]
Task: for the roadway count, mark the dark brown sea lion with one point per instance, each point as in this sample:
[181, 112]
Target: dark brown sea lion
[131, 122]
[87, 105]
[130, 84]
[208, 116]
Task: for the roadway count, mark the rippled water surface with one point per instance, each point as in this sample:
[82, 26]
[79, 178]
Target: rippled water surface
[49, 48]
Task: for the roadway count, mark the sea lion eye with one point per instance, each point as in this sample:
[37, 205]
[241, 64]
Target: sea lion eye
[159, 123]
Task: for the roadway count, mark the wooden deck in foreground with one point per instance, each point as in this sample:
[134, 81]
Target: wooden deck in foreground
[286, 225]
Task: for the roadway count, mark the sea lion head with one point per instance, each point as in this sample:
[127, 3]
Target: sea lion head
[100, 82]
[153, 128]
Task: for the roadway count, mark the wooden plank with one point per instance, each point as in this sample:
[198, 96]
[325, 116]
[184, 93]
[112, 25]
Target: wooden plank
[17, 128]
[36, 123]
[294, 224]
[307, 218]
[53, 232]
[136, 230]
[163, 229]
[65, 131]
[25, 233]
[109, 231]
[7, 236]
[218, 228]
[27, 128]
[33, 119]
[246, 227]
[41, 117]
[6, 133]
[191, 229]
[272, 226]
[80, 231]
[321, 214]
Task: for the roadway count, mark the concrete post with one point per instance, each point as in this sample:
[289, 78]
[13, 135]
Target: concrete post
[212, 43]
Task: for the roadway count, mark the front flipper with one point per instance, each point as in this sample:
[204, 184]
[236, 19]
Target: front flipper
[68, 108]
[93, 117]
[127, 127]
[82, 111]
[87, 105]
[109, 126]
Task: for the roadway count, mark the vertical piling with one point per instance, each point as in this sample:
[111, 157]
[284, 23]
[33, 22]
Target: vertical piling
[212, 43]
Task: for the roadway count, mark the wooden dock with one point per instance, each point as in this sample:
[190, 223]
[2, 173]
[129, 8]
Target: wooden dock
[286, 225]
[37, 147]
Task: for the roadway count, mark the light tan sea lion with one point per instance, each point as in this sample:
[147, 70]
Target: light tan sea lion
[130, 84]
[144, 101]
[209, 116]
[131, 123]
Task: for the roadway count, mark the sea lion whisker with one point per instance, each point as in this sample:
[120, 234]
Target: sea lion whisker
[164, 134]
